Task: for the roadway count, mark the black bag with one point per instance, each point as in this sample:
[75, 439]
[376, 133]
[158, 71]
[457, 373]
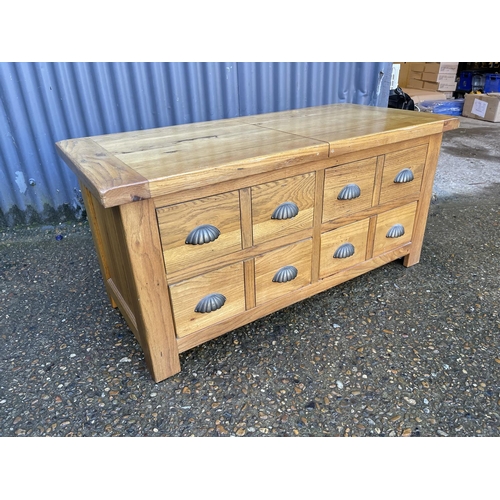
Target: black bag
[400, 100]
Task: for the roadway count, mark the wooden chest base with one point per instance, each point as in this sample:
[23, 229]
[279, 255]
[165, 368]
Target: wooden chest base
[157, 285]
[202, 251]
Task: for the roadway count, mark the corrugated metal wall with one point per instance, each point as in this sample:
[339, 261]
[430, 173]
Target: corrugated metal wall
[42, 103]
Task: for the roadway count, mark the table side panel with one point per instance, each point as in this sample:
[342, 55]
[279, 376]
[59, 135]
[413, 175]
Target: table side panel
[128, 246]
[424, 200]
[115, 268]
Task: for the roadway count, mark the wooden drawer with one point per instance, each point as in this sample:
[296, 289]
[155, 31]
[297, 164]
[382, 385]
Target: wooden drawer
[195, 303]
[348, 189]
[402, 175]
[394, 228]
[201, 221]
[343, 247]
[282, 207]
[282, 271]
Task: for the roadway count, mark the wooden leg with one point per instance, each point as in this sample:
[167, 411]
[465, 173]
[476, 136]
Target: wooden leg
[155, 324]
[423, 204]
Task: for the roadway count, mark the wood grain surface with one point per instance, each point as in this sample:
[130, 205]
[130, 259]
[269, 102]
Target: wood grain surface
[356, 234]
[405, 216]
[269, 196]
[361, 173]
[297, 255]
[177, 221]
[228, 281]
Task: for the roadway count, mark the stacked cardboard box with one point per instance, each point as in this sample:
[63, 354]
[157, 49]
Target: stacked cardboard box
[433, 76]
[420, 95]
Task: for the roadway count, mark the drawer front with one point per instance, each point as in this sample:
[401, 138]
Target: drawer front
[207, 299]
[348, 189]
[402, 175]
[200, 230]
[394, 228]
[343, 247]
[282, 271]
[282, 207]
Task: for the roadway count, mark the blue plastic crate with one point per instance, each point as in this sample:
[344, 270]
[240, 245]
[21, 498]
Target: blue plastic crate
[491, 83]
[465, 81]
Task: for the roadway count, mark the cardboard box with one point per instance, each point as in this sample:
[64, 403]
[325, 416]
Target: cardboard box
[447, 87]
[415, 84]
[442, 67]
[404, 70]
[449, 78]
[482, 107]
[442, 86]
[417, 66]
[416, 74]
[419, 95]
[439, 77]
[431, 85]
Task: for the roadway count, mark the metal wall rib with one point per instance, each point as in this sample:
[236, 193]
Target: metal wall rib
[42, 103]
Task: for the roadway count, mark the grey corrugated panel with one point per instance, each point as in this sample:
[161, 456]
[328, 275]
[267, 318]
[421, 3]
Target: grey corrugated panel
[42, 103]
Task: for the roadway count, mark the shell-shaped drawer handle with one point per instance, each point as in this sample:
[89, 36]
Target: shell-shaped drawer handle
[406, 175]
[287, 273]
[286, 210]
[395, 231]
[210, 303]
[202, 234]
[344, 251]
[349, 192]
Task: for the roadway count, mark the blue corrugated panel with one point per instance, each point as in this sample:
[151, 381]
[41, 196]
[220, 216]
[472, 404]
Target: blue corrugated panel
[267, 87]
[42, 103]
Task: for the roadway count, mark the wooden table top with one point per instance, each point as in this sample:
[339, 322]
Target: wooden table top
[129, 166]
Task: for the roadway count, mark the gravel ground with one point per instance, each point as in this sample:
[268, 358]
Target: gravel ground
[396, 352]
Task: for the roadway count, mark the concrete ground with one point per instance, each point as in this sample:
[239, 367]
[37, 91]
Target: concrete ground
[396, 352]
